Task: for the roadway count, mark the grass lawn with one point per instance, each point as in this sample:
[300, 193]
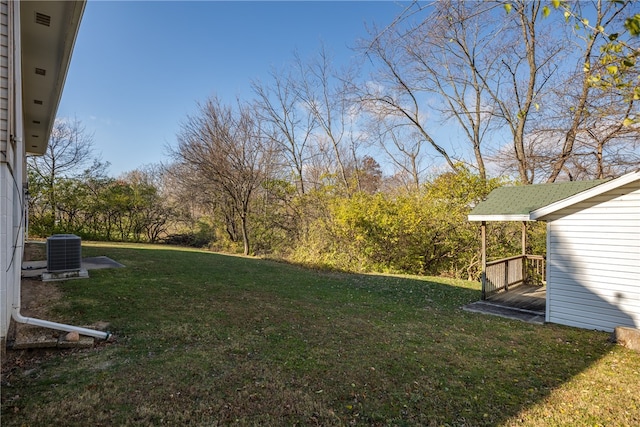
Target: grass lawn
[206, 339]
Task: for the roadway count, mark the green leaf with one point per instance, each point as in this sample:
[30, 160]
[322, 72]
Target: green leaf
[594, 79]
[546, 11]
[507, 7]
[567, 15]
[628, 122]
[612, 69]
[633, 25]
[613, 36]
[555, 3]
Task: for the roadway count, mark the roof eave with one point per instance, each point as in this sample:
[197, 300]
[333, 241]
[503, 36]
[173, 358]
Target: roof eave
[46, 54]
[510, 217]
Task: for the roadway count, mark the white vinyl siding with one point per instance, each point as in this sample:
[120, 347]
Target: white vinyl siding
[7, 192]
[593, 273]
[4, 69]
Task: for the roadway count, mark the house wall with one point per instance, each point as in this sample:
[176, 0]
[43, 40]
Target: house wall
[11, 166]
[593, 254]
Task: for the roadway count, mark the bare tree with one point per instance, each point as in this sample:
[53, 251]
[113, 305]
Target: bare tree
[70, 148]
[290, 126]
[397, 106]
[403, 147]
[435, 71]
[529, 55]
[226, 150]
[324, 92]
[151, 212]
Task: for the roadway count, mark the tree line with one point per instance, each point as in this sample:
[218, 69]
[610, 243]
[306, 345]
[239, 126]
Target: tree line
[349, 168]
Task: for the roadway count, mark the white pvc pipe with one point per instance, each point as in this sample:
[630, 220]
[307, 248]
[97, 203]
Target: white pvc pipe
[58, 326]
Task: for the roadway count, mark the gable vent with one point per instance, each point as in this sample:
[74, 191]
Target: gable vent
[41, 71]
[43, 19]
[37, 101]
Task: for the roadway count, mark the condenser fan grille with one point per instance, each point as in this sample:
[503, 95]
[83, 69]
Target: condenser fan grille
[64, 253]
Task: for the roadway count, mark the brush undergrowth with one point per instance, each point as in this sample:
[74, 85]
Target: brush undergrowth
[208, 339]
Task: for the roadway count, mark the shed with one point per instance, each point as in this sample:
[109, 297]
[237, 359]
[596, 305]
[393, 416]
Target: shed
[592, 269]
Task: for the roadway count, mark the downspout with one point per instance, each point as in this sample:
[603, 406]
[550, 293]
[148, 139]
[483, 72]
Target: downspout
[18, 172]
[15, 309]
[15, 314]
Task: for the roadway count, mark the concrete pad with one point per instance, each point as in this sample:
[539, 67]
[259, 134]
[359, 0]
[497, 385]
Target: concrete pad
[64, 275]
[29, 336]
[100, 262]
[35, 269]
[485, 307]
[32, 269]
[83, 342]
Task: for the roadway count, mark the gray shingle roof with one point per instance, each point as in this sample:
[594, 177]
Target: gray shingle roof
[521, 200]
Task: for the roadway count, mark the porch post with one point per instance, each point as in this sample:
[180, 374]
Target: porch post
[483, 275]
[524, 252]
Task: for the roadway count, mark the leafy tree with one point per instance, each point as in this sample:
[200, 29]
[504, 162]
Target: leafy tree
[414, 232]
[600, 78]
[585, 124]
[70, 148]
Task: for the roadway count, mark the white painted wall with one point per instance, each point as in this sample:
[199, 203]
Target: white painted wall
[593, 255]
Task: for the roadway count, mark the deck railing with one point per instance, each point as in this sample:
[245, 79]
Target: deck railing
[500, 274]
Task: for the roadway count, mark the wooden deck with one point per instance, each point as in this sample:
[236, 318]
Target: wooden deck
[522, 302]
[523, 297]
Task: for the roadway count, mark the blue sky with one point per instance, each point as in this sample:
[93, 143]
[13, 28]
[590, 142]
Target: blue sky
[139, 68]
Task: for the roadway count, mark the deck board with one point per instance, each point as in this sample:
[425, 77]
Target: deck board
[524, 297]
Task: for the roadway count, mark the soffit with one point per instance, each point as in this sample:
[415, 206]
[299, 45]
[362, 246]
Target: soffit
[48, 30]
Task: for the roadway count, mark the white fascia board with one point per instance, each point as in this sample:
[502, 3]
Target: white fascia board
[592, 192]
[520, 217]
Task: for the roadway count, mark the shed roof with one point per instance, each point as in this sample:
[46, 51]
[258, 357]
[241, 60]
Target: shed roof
[535, 202]
[516, 203]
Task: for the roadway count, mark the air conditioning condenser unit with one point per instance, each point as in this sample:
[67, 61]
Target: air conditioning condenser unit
[64, 253]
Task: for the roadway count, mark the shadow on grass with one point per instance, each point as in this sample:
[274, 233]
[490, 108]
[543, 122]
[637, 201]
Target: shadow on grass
[207, 338]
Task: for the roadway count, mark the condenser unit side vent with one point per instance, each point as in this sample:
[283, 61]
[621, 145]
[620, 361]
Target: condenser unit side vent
[64, 253]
